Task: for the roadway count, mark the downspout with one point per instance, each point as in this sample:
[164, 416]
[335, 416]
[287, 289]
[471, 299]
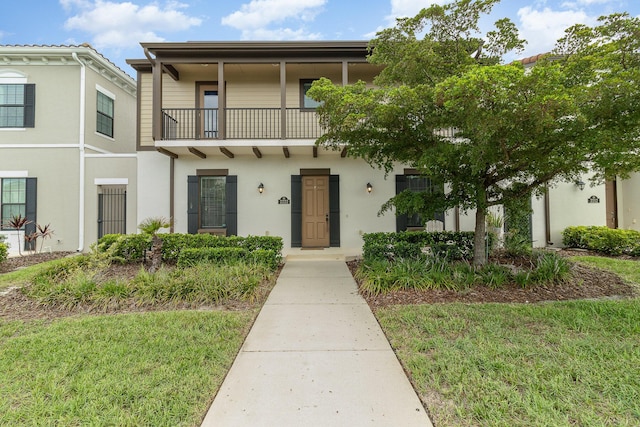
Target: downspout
[81, 216]
[547, 217]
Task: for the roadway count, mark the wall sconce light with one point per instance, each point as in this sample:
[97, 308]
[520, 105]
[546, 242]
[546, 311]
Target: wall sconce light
[369, 187]
[580, 184]
[261, 188]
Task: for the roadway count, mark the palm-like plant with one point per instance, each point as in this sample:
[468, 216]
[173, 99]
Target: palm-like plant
[151, 226]
[45, 232]
[17, 222]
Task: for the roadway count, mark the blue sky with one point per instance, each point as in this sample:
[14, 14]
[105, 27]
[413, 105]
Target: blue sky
[116, 27]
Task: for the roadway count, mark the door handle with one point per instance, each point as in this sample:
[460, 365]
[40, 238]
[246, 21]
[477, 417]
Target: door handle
[326, 217]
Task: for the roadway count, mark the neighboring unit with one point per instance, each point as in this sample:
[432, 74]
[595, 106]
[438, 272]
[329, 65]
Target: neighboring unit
[226, 145]
[67, 144]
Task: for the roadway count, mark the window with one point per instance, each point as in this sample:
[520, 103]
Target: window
[416, 184]
[213, 202]
[14, 198]
[104, 123]
[412, 181]
[17, 105]
[307, 103]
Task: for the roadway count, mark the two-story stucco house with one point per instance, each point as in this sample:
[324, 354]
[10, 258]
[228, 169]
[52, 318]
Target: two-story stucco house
[67, 144]
[226, 145]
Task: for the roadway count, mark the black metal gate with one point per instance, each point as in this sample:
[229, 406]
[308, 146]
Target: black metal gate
[112, 211]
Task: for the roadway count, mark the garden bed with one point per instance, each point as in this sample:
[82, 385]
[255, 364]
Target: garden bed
[585, 283]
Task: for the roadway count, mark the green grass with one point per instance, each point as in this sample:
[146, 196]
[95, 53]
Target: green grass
[158, 368]
[560, 364]
[628, 270]
[24, 275]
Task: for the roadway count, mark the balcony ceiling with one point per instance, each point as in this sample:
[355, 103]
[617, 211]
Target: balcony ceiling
[191, 149]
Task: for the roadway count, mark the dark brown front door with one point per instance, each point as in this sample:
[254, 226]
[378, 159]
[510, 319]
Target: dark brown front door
[315, 211]
[612, 204]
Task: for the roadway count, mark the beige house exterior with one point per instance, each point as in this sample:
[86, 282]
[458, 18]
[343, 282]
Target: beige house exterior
[67, 144]
[226, 145]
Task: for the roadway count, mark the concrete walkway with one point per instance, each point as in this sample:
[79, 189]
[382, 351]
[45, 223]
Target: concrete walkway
[316, 356]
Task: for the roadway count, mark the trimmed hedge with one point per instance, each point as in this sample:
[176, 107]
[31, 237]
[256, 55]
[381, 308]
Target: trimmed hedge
[454, 245]
[602, 239]
[131, 248]
[192, 256]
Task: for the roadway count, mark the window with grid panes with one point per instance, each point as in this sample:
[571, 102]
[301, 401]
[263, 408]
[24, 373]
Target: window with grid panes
[213, 202]
[17, 105]
[13, 198]
[104, 122]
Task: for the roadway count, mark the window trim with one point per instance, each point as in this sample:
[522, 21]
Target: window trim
[100, 113]
[3, 223]
[28, 105]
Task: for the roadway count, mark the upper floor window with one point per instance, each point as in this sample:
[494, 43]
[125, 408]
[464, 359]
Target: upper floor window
[13, 199]
[307, 103]
[17, 105]
[104, 122]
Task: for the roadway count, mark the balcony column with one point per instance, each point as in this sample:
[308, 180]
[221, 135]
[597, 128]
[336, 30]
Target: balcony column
[156, 106]
[283, 99]
[222, 115]
[345, 73]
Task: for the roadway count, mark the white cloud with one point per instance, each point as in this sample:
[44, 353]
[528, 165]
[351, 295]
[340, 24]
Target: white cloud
[261, 13]
[255, 18]
[541, 28]
[123, 24]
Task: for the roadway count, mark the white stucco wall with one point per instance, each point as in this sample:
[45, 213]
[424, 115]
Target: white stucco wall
[153, 186]
[568, 206]
[260, 214]
[629, 203]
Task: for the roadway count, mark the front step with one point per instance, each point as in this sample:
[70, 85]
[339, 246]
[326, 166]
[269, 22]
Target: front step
[315, 255]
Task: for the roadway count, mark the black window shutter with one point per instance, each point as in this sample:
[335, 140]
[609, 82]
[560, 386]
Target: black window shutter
[296, 211]
[334, 211]
[231, 194]
[193, 203]
[31, 207]
[401, 185]
[29, 105]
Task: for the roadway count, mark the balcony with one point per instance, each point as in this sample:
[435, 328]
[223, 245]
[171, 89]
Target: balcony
[239, 123]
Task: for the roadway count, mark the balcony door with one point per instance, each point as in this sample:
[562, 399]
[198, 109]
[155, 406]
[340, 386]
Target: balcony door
[208, 111]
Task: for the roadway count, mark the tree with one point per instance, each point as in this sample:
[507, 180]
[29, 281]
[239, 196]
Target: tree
[445, 105]
[151, 226]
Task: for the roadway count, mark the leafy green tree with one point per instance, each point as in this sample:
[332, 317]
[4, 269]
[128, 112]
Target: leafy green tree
[445, 105]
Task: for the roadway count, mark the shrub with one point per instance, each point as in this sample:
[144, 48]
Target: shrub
[4, 252]
[131, 248]
[382, 275]
[199, 284]
[192, 256]
[550, 268]
[453, 245]
[106, 241]
[603, 240]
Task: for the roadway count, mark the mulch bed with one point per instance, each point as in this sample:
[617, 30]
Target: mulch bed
[14, 305]
[587, 283]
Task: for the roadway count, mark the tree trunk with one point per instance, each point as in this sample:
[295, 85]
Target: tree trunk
[156, 254]
[479, 244]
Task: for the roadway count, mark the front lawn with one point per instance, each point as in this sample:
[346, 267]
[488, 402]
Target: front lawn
[549, 364]
[158, 368]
